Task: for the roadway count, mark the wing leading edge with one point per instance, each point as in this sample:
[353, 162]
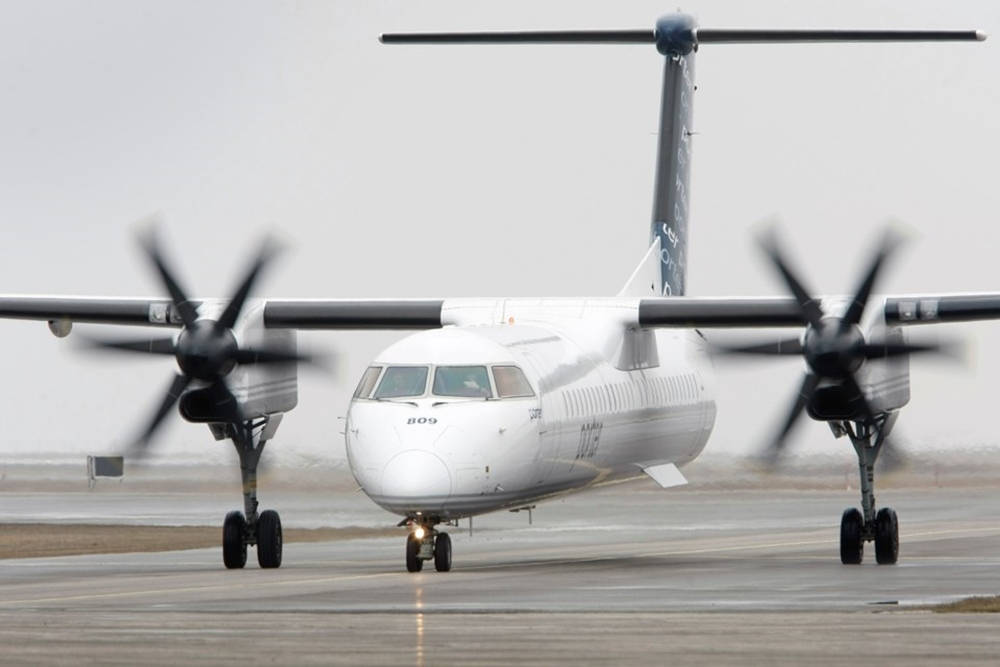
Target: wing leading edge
[403, 314]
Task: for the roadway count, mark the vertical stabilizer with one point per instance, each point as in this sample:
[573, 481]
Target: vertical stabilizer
[677, 37]
[673, 156]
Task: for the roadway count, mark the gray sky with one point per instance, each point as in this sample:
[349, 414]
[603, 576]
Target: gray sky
[523, 170]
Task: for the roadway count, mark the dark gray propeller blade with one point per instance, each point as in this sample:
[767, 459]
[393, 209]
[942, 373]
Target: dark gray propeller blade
[887, 350]
[148, 241]
[806, 389]
[811, 311]
[854, 311]
[177, 386]
[164, 346]
[247, 357]
[777, 348]
[227, 320]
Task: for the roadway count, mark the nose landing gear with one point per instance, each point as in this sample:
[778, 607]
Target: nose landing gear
[425, 543]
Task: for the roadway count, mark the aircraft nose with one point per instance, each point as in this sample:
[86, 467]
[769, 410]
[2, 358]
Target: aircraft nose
[416, 474]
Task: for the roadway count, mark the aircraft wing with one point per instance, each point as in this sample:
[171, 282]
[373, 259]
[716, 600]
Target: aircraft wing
[278, 313]
[711, 312]
[96, 310]
[339, 314]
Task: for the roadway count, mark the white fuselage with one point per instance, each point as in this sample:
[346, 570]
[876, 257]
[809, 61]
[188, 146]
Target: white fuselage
[606, 402]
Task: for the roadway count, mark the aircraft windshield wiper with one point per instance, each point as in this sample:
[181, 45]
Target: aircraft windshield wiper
[393, 400]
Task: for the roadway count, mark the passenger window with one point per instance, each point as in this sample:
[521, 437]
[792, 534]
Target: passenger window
[511, 382]
[462, 381]
[399, 381]
[367, 383]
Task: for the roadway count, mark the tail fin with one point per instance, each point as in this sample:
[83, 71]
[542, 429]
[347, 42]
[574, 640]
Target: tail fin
[677, 37]
[673, 154]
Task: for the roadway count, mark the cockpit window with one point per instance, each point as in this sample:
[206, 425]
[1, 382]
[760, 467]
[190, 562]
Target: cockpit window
[463, 381]
[399, 381]
[511, 382]
[367, 383]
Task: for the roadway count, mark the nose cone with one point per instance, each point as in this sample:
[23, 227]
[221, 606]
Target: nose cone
[416, 475]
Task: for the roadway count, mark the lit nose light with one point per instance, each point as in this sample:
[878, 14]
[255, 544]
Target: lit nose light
[419, 533]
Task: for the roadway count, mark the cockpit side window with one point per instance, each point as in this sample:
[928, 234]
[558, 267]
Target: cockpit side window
[511, 382]
[367, 383]
[400, 381]
[462, 381]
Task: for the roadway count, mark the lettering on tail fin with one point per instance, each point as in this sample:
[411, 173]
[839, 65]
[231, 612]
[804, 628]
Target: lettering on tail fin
[673, 168]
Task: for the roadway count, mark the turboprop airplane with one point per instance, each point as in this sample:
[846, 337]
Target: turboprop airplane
[497, 403]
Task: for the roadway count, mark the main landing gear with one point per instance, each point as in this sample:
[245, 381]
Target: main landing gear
[881, 527]
[425, 543]
[241, 529]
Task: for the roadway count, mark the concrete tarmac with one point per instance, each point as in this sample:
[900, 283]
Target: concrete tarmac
[630, 574]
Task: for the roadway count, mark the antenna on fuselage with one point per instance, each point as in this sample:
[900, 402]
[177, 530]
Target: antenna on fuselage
[677, 37]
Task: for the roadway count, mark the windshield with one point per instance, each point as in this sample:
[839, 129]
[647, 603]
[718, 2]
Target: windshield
[511, 382]
[399, 381]
[462, 381]
[367, 382]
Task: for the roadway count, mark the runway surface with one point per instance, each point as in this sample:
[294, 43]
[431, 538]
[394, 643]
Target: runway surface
[630, 574]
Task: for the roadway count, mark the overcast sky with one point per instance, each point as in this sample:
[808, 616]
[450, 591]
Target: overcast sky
[474, 171]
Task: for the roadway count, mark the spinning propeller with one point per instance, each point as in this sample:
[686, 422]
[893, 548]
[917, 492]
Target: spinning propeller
[834, 348]
[206, 350]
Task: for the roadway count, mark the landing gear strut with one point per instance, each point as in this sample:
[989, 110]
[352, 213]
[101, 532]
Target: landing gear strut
[856, 527]
[248, 527]
[425, 543]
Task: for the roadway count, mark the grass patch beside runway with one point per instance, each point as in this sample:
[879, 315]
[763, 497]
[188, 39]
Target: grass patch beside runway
[987, 604]
[31, 540]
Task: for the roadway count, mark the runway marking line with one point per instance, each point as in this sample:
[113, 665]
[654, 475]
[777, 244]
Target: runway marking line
[379, 575]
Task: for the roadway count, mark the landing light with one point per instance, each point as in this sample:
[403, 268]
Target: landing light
[419, 533]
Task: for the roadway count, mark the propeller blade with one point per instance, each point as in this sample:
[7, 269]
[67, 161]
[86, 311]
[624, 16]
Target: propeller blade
[778, 348]
[268, 250]
[809, 307]
[225, 399]
[891, 458]
[149, 243]
[806, 389]
[851, 383]
[886, 350]
[163, 346]
[249, 357]
[890, 242]
[177, 387]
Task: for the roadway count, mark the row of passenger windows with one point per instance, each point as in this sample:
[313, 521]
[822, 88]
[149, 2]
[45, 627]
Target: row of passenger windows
[449, 381]
[625, 396]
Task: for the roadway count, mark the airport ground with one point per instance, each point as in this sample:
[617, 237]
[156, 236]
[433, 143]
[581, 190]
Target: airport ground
[730, 570]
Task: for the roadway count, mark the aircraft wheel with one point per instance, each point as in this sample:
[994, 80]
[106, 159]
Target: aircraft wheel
[851, 543]
[886, 537]
[442, 552]
[413, 562]
[269, 539]
[234, 544]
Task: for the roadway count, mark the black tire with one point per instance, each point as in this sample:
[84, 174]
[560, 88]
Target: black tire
[269, 539]
[442, 553]
[851, 544]
[886, 537]
[234, 544]
[413, 562]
